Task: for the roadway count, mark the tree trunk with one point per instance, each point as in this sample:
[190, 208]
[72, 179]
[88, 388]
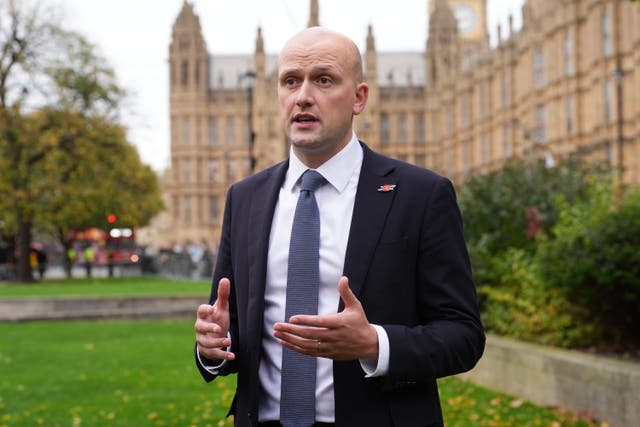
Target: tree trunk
[67, 244]
[68, 262]
[23, 271]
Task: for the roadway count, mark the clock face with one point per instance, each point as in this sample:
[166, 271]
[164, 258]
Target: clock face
[466, 17]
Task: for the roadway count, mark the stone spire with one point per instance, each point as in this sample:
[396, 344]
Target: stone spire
[371, 57]
[260, 58]
[187, 19]
[314, 14]
[442, 51]
[371, 40]
[188, 56]
[442, 18]
[366, 124]
[259, 41]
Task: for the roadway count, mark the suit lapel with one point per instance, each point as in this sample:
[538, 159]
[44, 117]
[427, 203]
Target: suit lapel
[369, 216]
[263, 203]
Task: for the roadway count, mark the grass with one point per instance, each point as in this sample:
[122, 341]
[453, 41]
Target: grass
[141, 373]
[117, 286]
[113, 373]
[467, 405]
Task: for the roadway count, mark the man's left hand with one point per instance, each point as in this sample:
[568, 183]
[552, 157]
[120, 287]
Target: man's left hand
[347, 335]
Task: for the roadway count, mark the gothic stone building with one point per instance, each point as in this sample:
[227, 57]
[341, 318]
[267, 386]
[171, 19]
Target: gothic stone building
[566, 84]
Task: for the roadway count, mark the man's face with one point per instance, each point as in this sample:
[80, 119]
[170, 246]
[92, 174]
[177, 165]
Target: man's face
[318, 95]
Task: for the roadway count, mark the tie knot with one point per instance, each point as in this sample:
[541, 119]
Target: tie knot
[311, 181]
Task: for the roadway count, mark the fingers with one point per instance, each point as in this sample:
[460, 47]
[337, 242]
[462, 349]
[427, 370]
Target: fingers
[214, 319]
[346, 335]
[204, 311]
[302, 339]
[210, 342]
[212, 339]
[307, 347]
[302, 331]
[212, 324]
[205, 326]
[215, 352]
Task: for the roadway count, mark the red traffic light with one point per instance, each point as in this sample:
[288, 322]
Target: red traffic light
[111, 218]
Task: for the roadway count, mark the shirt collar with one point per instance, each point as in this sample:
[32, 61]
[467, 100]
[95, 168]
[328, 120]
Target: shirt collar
[337, 170]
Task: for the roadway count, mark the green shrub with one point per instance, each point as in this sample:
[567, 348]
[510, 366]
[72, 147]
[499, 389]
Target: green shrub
[575, 280]
[519, 305]
[594, 260]
[494, 206]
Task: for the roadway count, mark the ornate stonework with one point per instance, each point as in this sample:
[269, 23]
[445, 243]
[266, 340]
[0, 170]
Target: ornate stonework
[565, 85]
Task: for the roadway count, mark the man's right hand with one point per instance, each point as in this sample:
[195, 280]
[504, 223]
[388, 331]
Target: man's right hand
[212, 326]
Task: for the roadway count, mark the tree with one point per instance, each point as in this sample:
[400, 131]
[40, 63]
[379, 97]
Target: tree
[64, 160]
[93, 171]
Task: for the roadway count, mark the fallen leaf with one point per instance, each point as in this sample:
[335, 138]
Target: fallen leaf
[516, 403]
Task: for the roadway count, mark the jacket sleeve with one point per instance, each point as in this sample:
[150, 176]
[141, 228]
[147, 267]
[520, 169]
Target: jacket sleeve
[223, 268]
[448, 337]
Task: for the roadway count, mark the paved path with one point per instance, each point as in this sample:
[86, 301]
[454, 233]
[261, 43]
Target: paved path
[78, 271]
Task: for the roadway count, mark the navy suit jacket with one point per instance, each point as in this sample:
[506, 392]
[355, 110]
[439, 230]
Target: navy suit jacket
[407, 263]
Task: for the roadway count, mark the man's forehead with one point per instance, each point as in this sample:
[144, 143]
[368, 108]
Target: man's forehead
[312, 59]
[318, 37]
[310, 65]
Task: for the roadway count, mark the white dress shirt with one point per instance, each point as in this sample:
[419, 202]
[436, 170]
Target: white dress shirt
[335, 204]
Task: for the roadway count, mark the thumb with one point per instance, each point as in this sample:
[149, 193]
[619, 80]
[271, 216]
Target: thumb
[345, 292]
[224, 289]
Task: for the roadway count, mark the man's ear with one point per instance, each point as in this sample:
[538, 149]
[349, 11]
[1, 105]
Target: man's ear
[362, 95]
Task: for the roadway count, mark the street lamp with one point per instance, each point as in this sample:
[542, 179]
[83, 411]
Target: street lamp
[618, 76]
[250, 75]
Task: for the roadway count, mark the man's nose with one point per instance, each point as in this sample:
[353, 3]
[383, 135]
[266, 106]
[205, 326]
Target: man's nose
[304, 94]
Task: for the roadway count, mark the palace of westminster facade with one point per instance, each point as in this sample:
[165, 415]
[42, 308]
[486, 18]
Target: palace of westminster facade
[566, 84]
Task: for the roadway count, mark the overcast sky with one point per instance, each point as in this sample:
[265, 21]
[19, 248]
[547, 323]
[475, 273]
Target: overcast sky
[134, 37]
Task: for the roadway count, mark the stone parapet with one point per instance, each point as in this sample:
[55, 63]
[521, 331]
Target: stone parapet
[608, 389]
[23, 309]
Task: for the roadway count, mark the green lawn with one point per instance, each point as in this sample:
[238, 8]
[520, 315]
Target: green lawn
[112, 373]
[141, 373]
[117, 286]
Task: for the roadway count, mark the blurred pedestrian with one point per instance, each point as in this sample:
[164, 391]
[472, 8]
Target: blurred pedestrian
[110, 261]
[88, 259]
[42, 263]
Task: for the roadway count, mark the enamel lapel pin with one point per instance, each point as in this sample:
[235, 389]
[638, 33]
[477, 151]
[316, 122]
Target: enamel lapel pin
[386, 188]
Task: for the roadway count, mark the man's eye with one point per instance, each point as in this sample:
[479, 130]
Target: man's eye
[290, 81]
[324, 80]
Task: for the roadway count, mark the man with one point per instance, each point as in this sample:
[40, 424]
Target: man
[396, 303]
[88, 259]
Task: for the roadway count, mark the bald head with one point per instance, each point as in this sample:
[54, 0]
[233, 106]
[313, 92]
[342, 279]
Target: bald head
[338, 44]
[320, 89]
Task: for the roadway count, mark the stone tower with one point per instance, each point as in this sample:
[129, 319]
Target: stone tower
[270, 146]
[188, 58]
[442, 52]
[211, 136]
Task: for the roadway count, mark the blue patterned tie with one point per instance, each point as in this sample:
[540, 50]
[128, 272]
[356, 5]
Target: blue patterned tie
[297, 402]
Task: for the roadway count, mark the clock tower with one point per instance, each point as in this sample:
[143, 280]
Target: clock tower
[471, 17]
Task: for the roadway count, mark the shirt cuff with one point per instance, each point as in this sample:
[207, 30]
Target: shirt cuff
[380, 367]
